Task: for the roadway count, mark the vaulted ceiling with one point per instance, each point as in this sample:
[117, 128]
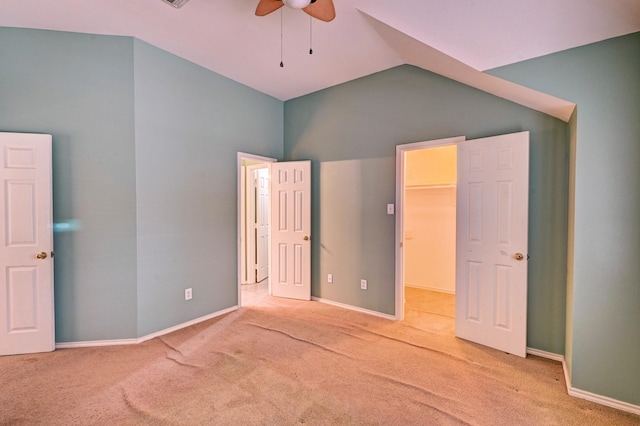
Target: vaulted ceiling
[456, 38]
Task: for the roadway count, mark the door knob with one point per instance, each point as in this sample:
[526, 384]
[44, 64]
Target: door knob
[306, 238]
[519, 256]
[41, 255]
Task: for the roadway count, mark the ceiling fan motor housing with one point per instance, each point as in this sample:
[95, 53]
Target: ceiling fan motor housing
[176, 3]
[297, 4]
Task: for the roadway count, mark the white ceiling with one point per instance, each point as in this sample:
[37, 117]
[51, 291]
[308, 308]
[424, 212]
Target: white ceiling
[446, 36]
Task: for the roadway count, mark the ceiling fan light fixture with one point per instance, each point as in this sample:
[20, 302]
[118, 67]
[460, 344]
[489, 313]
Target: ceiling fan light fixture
[297, 4]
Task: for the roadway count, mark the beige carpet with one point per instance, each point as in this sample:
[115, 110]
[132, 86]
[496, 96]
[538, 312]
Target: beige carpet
[284, 362]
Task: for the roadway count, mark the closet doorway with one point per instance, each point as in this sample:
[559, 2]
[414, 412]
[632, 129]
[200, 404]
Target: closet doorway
[427, 205]
[491, 238]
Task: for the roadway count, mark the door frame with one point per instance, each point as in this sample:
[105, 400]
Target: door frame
[240, 211]
[400, 173]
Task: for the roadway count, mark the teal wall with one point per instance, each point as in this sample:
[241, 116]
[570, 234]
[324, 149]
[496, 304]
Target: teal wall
[144, 161]
[190, 124]
[79, 88]
[603, 79]
[144, 158]
[350, 133]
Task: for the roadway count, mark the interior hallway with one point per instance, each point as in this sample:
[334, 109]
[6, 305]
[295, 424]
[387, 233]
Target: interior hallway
[253, 294]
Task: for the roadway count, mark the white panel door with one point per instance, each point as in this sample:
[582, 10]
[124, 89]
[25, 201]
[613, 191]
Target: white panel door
[262, 224]
[26, 243]
[491, 242]
[291, 230]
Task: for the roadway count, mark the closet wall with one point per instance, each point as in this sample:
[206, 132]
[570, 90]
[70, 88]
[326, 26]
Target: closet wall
[430, 218]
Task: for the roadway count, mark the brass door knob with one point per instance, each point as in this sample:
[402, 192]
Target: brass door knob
[41, 255]
[306, 238]
[519, 256]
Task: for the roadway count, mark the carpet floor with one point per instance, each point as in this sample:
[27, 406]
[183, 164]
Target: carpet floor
[286, 362]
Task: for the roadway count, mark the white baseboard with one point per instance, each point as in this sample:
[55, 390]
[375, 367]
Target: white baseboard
[92, 343]
[604, 400]
[354, 308]
[545, 354]
[578, 393]
[186, 324]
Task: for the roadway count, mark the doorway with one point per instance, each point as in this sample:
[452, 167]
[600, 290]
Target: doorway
[253, 227]
[491, 207]
[428, 218]
[288, 242]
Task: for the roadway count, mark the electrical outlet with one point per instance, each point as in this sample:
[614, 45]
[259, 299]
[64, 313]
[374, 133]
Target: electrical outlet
[363, 284]
[188, 294]
[330, 278]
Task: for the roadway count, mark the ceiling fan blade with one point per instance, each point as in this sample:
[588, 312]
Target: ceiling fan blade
[322, 10]
[265, 7]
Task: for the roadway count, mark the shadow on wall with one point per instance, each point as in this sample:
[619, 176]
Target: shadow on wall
[352, 205]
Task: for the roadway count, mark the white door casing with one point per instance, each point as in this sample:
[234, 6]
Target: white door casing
[26, 243]
[290, 274]
[491, 241]
[401, 150]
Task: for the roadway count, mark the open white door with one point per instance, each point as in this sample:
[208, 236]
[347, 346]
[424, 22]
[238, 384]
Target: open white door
[26, 242]
[257, 226]
[290, 274]
[262, 224]
[491, 246]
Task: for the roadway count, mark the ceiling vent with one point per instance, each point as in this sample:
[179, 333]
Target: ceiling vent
[176, 3]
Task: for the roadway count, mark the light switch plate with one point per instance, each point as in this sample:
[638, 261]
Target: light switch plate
[391, 209]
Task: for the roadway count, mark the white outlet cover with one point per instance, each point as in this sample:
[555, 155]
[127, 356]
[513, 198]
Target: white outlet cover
[363, 284]
[330, 278]
[391, 208]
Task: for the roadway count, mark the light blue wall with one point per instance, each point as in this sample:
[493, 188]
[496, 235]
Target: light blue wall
[190, 124]
[79, 88]
[144, 153]
[604, 80]
[144, 160]
[350, 133]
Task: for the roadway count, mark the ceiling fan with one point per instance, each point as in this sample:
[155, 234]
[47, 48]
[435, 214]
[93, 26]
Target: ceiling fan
[319, 9]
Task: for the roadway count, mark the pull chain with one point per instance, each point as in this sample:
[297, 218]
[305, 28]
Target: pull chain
[311, 30]
[281, 60]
